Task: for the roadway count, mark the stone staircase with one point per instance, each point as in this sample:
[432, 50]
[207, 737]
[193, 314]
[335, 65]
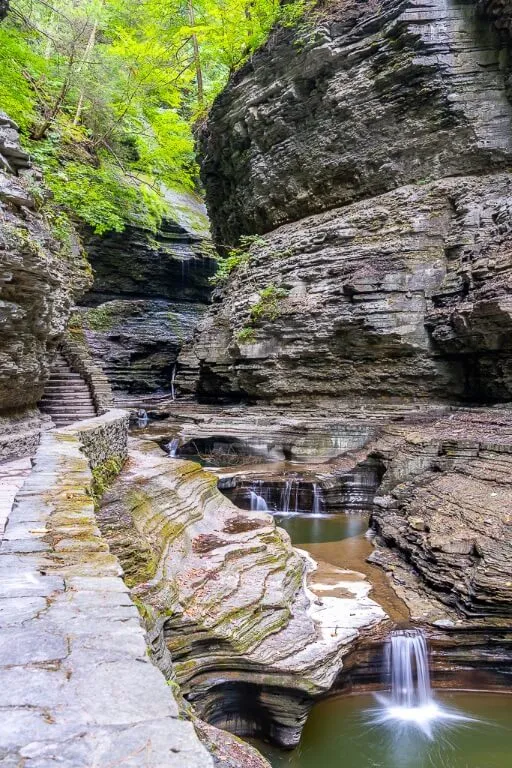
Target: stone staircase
[66, 397]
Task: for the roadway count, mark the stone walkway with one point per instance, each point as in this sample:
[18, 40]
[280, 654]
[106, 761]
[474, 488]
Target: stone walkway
[12, 477]
[77, 687]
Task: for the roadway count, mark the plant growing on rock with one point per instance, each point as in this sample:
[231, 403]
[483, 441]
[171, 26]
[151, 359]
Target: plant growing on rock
[236, 257]
[268, 307]
[245, 335]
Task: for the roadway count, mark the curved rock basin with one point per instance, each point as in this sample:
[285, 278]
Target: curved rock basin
[338, 733]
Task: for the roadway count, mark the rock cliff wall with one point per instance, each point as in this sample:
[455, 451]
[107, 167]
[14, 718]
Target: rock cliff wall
[40, 282]
[149, 292]
[371, 148]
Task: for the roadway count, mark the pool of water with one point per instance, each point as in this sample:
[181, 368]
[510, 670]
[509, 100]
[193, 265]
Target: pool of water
[338, 734]
[319, 529]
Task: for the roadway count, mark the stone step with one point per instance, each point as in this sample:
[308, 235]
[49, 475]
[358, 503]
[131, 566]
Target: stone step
[71, 376]
[58, 410]
[66, 385]
[69, 397]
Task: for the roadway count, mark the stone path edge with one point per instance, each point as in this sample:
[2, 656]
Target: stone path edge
[77, 687]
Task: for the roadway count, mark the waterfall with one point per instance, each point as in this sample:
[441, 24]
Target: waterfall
[408, 665]
[285, 497]
[258, 503]
[172, 447]
[142, 418]
[411, 702]
[173, 381]
[317, 499]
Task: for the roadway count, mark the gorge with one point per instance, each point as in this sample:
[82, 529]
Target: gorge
[256, 457]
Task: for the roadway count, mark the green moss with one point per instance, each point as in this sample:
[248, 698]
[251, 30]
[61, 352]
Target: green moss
[145, 611]
[104, 475]
[236, 258]
[100, 318]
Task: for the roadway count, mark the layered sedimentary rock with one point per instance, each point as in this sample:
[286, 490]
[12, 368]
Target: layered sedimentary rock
[41, 280]
[251, 648]
[149, 292]
[443, 509]
[372, 153]
[440, 516]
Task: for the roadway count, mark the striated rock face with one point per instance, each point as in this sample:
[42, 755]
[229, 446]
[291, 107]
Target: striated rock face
[443, 510]
[41, 280]
[375, 96]
[372, 151]
[403, 295]
[250, 648]
[149, 293]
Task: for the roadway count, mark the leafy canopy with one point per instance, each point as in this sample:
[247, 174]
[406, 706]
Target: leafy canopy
[107, 92]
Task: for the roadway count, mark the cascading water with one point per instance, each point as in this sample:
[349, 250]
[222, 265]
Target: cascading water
[411, 701]
[173, 382]
[317, 499]
[408, 664]
[258, 503]
[172, 447]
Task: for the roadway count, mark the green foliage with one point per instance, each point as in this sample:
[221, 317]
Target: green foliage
[107, 93]
[236, 257]
[99, 318]
[246, 335]
[268, 306]
[17, 61]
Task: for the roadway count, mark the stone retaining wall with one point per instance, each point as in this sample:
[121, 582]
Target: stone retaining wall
[77, 686]
[102, 438]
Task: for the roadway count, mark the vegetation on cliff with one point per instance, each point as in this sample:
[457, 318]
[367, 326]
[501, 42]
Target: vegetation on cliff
[106, 93]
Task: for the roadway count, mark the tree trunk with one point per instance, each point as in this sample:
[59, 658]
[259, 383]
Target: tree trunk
[197, 58]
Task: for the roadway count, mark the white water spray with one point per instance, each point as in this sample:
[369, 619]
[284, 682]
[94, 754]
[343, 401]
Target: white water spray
[411, 701]
[317, 499]
[172, 447]
[173, 382]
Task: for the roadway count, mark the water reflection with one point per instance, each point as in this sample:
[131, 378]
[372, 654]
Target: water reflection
[317, 529]
[337, 735]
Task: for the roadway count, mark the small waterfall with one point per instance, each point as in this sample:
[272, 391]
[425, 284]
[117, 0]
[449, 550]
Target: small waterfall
[173, 382]
[286, 494]
[172, 447]
[411, 702]
[258, 503]
[408, 666]
[317, 500]
[142, 418]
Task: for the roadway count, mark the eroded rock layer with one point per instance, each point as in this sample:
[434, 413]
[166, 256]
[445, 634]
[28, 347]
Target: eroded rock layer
[41, 279]
[443, 508]
[404, 295]
[441, 518]
[251, 647]
[150, 289]
[371, 148]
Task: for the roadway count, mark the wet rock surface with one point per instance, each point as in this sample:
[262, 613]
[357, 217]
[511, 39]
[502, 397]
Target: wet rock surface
[440, 515]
